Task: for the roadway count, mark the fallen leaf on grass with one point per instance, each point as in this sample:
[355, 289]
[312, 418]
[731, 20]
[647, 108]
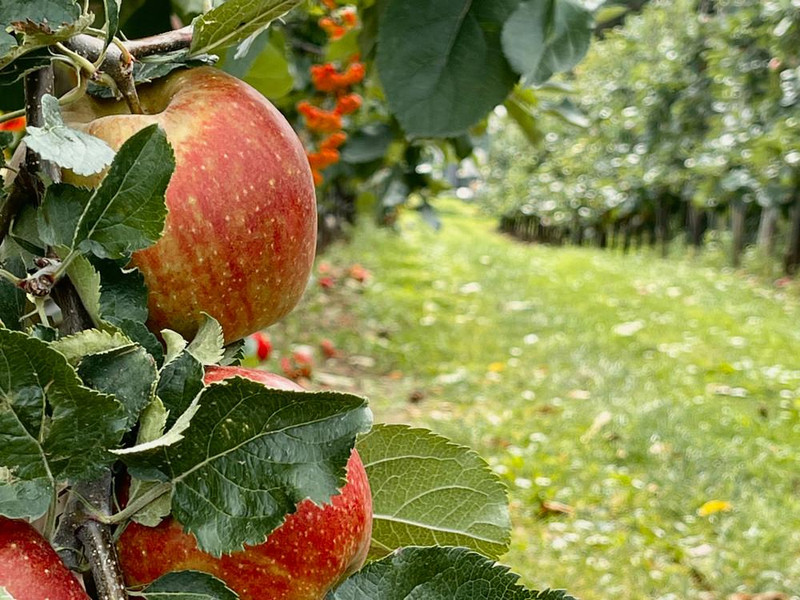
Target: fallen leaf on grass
[551, 507]
[600, 421]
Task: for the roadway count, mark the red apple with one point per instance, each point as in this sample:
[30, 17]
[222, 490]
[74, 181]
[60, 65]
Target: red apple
[240, 236]
[315, 548]
[29, 567]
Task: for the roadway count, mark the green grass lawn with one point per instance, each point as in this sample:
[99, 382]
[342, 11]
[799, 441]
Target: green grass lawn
[630, 389]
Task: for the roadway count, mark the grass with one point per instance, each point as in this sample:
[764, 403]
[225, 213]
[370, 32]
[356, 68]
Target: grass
[632, 390]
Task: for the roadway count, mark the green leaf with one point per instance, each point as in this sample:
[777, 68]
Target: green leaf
[442, 64]
[567, 112]
[174, 343]
[208, 345]
[435, 574]
[168, 438]
[252, 454]
[270, 73]
[188, 585]
[52, 428]
[139, 333]
[36, 35]
[368, 144]
[112, 18]
[235, 21]
[58, 217]
[69, 148]
[152, 424]
[179, 383]
[89, 341]
[428, 491]
[233, 354]
[123, 293]
[12, 299]
[7, 43]
[10, 73]
[86, 280]
[129, 374]
[25, 231]
[50, 12]
[127, 212]
[544, 37]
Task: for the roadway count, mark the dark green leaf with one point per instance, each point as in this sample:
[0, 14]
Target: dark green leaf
[112, 18]
[252, 454]
[127, 212]
[428, 491]
[123, 293]
[44, 333]
[6, 138]
[367, 144]
[442, 64]
[51, 12]
[543, 37]
[180, 381]
[235, 21]
[60, 212]
[234, 354]
[19, 68]
[437, 573]
[12, 299]
[188, 585]
[52, 428]
[7, 43]
[25, 231]
[35, 35]
[129, 374]
[69, 148]
[139, 333]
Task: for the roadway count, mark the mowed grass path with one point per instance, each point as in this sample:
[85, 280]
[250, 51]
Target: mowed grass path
[630, 389]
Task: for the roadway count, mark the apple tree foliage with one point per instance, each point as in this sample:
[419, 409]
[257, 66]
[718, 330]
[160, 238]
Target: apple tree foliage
[692, 120]
[86, 390]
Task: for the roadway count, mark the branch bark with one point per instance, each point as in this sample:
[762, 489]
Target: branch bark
[117, 62]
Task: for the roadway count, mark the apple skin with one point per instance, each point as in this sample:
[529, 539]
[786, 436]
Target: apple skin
[314, 549]
[29, 567]
[240, 236]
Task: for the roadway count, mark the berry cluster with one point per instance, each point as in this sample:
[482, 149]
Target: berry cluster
[335, 98]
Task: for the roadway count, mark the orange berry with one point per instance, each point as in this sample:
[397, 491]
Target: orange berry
[333, 141]
[348, 104]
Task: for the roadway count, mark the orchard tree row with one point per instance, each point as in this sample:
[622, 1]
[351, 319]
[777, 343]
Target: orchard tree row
[155, 211]
[692, 122]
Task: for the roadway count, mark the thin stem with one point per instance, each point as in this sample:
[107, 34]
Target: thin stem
[10, 277]
[9, 116]
[79, 60]
[137, 504]
[50, 524]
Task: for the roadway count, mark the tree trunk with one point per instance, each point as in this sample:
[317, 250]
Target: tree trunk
[738, 211]
[767, 227]
[792, 259]
[662, 225]
[698, 222]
